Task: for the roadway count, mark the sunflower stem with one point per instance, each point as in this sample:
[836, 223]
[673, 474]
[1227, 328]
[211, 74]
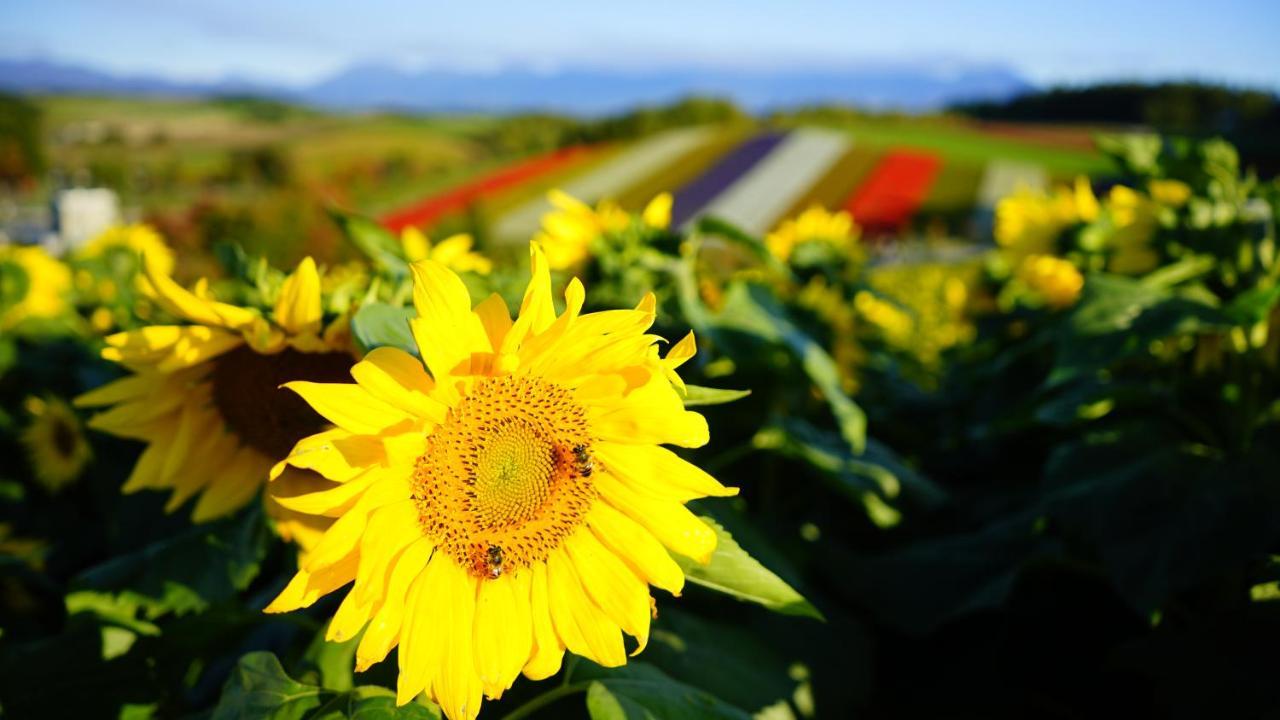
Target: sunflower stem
[545, 699]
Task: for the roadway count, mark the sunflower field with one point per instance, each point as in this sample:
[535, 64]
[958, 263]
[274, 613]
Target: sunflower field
[637, 468]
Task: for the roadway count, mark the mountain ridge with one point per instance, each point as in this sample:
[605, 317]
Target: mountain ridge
[371, 86]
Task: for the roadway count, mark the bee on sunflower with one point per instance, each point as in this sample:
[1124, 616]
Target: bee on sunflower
[506, 497]
[204, 396]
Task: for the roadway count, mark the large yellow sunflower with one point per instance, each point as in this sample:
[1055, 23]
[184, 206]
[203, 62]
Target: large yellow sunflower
[33, 285]
[55, 442]
[205, 397]
[507, 501]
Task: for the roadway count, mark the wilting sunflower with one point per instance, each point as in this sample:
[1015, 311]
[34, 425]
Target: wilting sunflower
[205, 397]
[454, 252]
[505, 498]
[568, 230]
[831, 230]
[55, 442]
[33, 285]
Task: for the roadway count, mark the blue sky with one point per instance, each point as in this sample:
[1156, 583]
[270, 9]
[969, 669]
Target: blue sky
[298, 41]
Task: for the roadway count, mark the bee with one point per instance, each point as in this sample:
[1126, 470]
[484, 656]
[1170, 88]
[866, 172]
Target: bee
[487, 563]
[582, 461]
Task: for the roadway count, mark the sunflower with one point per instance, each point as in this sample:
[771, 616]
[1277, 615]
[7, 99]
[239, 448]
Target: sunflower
[835, 230]
[568, 230]
[507, 497]
[55, 442]
[205, 397]
[1055, 281]
[454, 252]
[122, 247]
[33, 285]
[1028, 222]
[1134, 221]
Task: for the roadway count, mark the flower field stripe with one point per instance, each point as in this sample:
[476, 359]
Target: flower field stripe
[609, 180]
[762, 195]
[683, 170]
[692, 198]
[432, 208]
[894, 190]
[1002, 178]
[950, 201]
[831, 190]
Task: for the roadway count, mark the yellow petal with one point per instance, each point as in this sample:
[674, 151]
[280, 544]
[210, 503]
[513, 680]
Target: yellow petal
[583, 627]
[399, 379]
[384, 629]
[174, 298]
[669, 521]
[659, 472]
[336, 454]
[344, 536]
[503, 631]
[305, 588]
[622, 596]
[349, 406]
[332, 501]
[630, 541]
[650, 415]
[548, 649]
[126, 388]
[495, 318]
[237, 484]
[537, 311]
[391, 529]
[350, 616]
[416, 246]
[446, 330]
[657, 214]
[298, 308]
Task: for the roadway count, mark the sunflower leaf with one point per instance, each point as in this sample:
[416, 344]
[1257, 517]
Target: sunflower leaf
[642, 692]
[375, 241]
[260, 688]
[699, 395]
[734, 572]
[381, 325]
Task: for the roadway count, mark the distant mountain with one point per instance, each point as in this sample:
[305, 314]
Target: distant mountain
[44, 76]
[364, 87]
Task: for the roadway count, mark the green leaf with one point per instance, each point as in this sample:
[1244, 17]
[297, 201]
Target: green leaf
[699, 395]
[260, 688]
[1252, 306]
[187, 572]
[381, 325]
[375, 241]
[733, 572]
[642, 692]
[872, 479]
[752, 309]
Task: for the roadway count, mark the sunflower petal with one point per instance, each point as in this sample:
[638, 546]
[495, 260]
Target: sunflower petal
[399, 379]
[349, 406]
[630, 541]
[298, 309]
[503, 631]
[669, 521]
[384, 629]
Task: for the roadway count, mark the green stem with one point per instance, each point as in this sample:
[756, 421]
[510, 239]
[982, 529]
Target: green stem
[545, 699]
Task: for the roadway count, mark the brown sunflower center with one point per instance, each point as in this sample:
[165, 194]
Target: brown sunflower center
[507, 476]
[247, 393]
[65, 438]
